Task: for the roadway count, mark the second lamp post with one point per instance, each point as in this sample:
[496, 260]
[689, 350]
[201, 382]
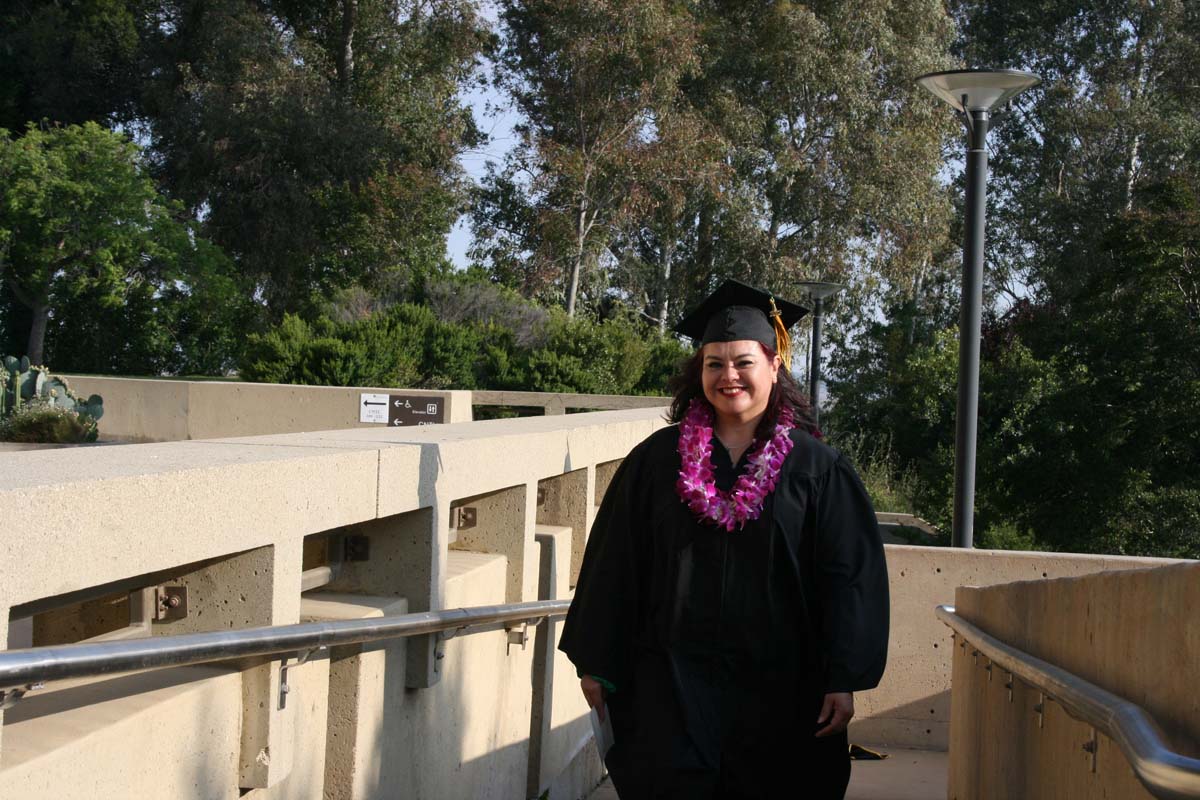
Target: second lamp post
[818, 291]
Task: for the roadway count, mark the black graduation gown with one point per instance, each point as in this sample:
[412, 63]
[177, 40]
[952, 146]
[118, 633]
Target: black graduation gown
[721, 644]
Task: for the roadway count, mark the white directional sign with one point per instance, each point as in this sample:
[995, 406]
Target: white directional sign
[373, 408]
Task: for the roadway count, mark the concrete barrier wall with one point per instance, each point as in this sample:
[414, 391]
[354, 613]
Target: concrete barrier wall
[234, 520]
[1131, 632]
[911, 706]
[148, 410]
[155, 410]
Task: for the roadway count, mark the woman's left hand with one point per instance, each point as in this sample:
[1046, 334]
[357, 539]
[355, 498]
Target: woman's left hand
[593, 693]
[838, 709]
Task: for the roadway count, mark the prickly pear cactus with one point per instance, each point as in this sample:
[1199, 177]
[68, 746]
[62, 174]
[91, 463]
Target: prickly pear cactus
[92, 407]
[21, 383]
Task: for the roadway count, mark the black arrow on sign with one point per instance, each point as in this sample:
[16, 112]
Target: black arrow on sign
[369, 403]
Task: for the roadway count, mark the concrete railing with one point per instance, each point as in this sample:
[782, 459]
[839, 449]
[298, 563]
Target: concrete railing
[160, 410]
[447, 516]
[425, 518]
[1117, 661]
[1164, 772]
[911, 706]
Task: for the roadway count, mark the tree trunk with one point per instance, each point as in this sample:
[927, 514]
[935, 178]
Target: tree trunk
[37, 333]
[1139, 91]
[573, 284]
[581, 229]
[41, 318]
[1131, 169]
[345, 57]
[914, 304]
[705, 247]
[664, 294]
[759, 270]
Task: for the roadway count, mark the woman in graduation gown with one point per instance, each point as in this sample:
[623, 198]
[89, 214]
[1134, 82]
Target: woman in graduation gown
[733, 593]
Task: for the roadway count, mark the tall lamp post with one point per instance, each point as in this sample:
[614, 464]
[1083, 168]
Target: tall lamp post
[975, 94]
[818, 291]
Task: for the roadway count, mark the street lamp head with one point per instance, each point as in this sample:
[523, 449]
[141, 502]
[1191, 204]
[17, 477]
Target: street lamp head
[819, 290]
[978, 89]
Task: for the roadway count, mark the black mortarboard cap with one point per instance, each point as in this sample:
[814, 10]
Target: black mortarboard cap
[735, 312]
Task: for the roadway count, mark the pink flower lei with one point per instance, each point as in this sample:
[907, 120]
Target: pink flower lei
[696, 485]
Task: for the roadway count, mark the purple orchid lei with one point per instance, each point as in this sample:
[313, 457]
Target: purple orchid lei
[696, 485]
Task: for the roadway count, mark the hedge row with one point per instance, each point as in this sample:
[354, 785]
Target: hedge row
[408, 345]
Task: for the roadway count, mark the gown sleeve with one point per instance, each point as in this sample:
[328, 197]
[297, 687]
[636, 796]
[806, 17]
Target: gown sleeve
[851, 582]
[601, 625]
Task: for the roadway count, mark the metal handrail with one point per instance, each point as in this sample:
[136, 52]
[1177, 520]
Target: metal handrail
[1162, 771]
[31, 666]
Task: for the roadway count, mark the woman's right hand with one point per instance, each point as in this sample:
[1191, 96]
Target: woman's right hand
[593, 692]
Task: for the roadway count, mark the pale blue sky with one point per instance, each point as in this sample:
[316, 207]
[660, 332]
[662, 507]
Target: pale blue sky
[498, 124]
[494, 117]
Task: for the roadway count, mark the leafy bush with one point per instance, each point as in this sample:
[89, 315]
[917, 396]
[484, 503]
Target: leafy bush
[664, 360]
[615, 356]
[374, 352]
[41, 423]
[487, 345]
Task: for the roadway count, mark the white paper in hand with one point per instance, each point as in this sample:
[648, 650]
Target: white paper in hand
[602, 731]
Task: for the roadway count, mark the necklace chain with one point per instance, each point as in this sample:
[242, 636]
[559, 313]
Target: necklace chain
[697, 480]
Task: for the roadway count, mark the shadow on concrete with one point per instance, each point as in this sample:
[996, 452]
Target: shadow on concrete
[37, 705]
[923, 724]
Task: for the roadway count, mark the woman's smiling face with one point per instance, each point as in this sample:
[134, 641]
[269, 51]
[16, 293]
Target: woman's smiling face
[737, 378]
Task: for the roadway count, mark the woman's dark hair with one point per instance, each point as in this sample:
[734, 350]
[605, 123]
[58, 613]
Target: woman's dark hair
[686, 385]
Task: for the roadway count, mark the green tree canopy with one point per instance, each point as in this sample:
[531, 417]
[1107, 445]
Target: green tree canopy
[317, 141]
[70, 62]
[85, 240]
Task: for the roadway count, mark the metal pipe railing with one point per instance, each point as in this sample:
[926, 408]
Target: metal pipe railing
[1162, 771]
[31, 666]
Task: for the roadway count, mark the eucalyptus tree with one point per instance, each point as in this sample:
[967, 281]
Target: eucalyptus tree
[683, 171]
[1090, 376]
[827, 135]
[808, 151]
[591, 78]
[1116, 109]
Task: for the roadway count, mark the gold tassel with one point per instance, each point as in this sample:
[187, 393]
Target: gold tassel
[783, 342]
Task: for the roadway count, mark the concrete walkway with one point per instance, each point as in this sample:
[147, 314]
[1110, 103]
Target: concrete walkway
[904, 775]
